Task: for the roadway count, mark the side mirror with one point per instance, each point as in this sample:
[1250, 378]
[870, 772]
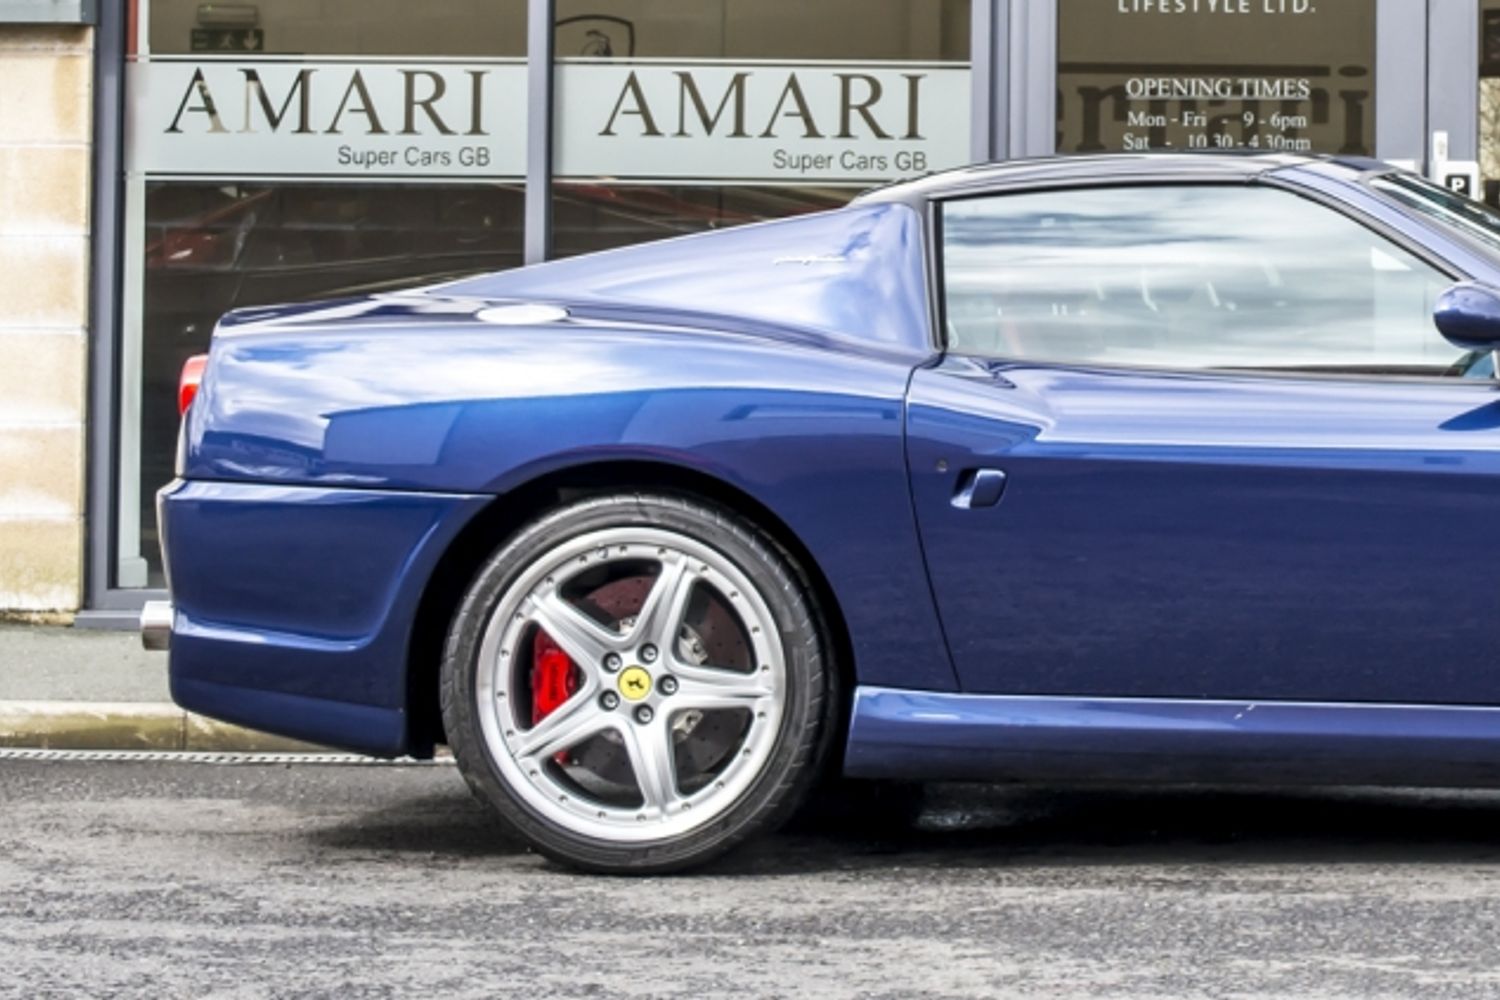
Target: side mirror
[1468, 314]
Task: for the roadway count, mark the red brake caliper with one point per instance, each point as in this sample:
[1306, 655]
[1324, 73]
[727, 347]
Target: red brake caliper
[554, 679]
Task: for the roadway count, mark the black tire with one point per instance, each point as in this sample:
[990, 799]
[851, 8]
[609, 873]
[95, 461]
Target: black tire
[810, 697]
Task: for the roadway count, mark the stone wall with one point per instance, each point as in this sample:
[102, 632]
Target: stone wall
[45, 127]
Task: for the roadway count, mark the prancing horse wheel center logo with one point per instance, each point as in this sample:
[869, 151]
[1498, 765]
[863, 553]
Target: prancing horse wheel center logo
[635, 683]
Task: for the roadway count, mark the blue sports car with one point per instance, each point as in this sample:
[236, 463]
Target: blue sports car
[1157, 468]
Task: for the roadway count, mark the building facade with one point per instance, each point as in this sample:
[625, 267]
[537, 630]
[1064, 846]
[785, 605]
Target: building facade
[163, 161]
[46, 126]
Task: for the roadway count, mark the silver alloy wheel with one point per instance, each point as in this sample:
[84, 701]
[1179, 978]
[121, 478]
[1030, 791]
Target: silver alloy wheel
[647, 715]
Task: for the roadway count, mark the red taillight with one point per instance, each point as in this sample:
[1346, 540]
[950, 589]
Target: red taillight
[192, 377]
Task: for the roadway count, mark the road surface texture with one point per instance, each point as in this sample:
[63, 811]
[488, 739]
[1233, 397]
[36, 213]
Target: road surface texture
[183, 880]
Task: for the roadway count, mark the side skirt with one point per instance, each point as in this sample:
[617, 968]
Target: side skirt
[926, 735]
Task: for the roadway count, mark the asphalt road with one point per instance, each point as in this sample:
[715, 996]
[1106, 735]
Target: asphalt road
[175, 880]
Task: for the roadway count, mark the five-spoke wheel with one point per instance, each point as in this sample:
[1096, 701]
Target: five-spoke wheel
[637, 683]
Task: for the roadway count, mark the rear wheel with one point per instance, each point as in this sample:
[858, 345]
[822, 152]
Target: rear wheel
[637, 683]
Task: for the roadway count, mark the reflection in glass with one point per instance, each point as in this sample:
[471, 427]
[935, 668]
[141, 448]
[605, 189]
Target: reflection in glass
[598, 216]
[339, 27]
[1187, 277]
[860, 30]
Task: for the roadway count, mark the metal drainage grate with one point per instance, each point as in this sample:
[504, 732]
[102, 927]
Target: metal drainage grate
[210, 757]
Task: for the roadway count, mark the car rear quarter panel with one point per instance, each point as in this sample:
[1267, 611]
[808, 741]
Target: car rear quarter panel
[456, 408]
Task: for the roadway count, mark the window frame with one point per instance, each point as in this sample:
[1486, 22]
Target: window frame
[938, 337]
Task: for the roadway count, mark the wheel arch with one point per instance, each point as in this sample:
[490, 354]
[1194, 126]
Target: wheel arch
[509, 512]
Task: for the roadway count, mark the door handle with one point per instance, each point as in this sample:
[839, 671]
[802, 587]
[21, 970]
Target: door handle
[979, 488]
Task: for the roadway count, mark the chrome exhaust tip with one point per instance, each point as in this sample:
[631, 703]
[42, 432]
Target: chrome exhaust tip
[156, 625]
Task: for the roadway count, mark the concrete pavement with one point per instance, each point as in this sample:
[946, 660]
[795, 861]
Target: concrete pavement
[67, 688]
[390, 881]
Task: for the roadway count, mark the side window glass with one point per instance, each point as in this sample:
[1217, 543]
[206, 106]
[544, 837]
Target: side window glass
[1187, 276]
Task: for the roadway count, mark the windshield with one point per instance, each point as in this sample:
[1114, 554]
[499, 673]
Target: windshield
[1452, 211]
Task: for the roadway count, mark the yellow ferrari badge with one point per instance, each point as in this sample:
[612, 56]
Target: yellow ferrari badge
[635, 683]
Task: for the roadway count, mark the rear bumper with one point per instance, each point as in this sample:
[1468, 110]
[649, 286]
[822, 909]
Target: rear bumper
[379, 732]
[292, 607]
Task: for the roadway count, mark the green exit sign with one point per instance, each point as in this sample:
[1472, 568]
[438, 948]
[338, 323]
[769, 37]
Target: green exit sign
[229, 40]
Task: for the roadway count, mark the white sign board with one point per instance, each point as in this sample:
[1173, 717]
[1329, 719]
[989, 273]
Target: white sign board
[703, 122]
[1460, 177]
[711, 122]
[335, 119]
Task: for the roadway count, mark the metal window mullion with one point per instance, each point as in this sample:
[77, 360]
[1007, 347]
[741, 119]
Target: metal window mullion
[1032, 47]
[1400, 58]
[989, 61]
[1452, 77]
[539, 112]
[101, 421]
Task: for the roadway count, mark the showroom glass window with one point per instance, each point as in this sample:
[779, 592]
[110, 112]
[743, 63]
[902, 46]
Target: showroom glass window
[280, 150]
[1187, 276]
[674, 116]
[1293, 76]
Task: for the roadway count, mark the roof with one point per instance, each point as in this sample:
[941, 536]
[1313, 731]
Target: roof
[1113, 166]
